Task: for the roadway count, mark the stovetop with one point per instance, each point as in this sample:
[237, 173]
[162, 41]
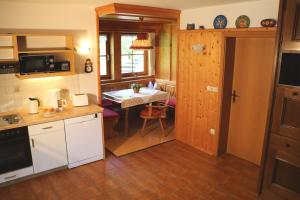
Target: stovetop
[10, 119]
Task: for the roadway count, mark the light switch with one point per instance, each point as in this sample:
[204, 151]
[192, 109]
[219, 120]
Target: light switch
[212, 131]
[212, 88]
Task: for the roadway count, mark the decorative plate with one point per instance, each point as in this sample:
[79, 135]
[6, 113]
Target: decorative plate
[268, 23]
[242, 21]
[220, 22]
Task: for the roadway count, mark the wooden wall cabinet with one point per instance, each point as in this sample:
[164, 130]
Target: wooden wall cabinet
[61, 46]
[291, 26]
[8, 48]
[282, 172]
[282, 177]
[286, 119]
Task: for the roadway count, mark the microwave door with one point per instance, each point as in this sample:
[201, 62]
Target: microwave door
[33, 64]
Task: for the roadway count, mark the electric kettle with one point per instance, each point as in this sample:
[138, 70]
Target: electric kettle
[33, 107]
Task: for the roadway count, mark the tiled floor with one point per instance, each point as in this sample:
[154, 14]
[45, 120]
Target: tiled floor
[170, 171]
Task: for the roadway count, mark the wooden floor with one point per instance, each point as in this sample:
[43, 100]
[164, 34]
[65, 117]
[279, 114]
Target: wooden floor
[121, 145]
[171, 171]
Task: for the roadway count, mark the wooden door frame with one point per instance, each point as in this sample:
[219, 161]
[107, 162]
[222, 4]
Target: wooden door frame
[225, 117]
[229, 41]
[130, 10]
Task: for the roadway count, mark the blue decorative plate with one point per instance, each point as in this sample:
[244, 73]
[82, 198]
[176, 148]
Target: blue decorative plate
[220, 22]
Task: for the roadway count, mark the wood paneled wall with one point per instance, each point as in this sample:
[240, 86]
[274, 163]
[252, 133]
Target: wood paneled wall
[163, 56]
[198, 110]
[166, 54]
[174, 51]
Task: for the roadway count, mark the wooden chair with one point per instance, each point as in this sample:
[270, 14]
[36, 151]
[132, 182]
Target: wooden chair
[158, 112]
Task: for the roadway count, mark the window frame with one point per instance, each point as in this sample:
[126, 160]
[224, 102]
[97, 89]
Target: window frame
[108, 57]
[133, 74]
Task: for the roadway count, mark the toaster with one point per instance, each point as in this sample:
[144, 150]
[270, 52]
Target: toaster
[80, 100]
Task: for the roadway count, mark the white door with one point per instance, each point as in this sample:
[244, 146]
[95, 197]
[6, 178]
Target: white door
[84, 138]
[48, 150]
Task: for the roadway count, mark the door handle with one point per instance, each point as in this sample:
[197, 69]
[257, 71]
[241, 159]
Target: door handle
[234, 96]
[32, 142]
[49, 127]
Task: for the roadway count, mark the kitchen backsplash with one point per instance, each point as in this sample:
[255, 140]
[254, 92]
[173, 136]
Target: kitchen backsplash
[14, 92]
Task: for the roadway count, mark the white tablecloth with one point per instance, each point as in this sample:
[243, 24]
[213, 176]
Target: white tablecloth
[127, 98]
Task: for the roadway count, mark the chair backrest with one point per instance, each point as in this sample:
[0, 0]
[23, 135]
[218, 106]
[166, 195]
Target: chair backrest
[171, 89]
[167, 86]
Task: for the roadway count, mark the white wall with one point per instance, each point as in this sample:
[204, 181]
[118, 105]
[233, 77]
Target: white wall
[55, 17]
[256, 11]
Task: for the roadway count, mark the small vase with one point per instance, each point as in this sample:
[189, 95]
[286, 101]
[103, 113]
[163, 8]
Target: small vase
[136, 90]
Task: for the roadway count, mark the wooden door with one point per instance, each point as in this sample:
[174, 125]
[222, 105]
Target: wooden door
[197, 109]
[252, 82]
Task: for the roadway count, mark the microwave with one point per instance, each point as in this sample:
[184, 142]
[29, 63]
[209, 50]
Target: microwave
[36, 64]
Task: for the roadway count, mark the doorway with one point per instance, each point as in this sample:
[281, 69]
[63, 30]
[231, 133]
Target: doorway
[246, 98]
[120, 66]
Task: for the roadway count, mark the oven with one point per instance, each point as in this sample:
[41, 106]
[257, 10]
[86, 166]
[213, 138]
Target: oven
[15, 150]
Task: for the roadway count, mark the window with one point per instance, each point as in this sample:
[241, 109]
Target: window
[104, 56]
[132, 61]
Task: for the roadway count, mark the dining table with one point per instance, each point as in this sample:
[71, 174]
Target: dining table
[127, 98]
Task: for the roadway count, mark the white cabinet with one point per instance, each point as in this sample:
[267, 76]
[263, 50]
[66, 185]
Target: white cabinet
[84, 139]
[48, 146]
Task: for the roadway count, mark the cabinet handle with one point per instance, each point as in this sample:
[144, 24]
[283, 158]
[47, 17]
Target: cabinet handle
[295, 93]
[287, 145]
[49, 127]
[32, 141]
[83, 122]
[10, 177]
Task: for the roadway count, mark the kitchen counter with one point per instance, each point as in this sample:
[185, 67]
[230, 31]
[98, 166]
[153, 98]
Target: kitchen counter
[32, 119]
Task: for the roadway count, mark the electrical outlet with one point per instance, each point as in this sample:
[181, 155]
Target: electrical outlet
[212, 131]
[212, 88]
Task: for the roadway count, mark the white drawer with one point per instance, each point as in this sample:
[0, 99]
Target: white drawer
[46, 127]
[16, 174]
